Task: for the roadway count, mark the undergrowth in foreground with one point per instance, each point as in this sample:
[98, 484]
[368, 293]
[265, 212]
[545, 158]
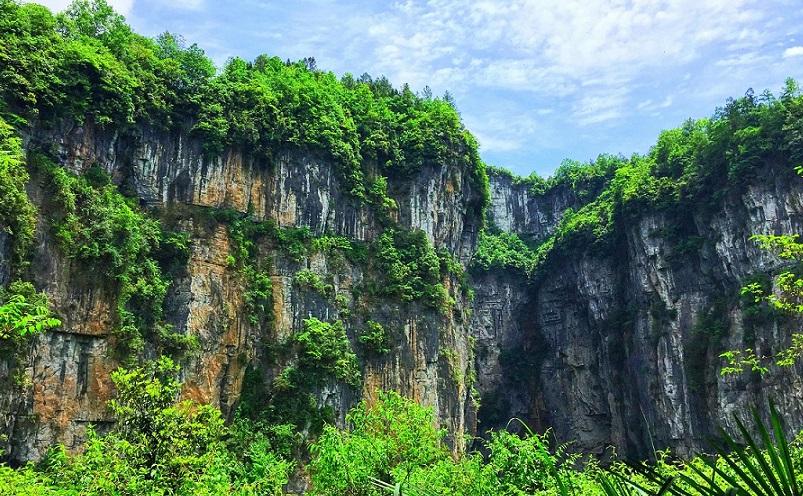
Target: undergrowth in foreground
[390, 445]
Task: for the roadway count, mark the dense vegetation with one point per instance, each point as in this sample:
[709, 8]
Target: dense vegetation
[86, 65]
[17, 214]
[391, 446]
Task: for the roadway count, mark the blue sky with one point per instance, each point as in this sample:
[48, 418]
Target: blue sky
[536, 81]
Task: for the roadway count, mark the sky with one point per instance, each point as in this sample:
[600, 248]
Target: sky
[536, 81]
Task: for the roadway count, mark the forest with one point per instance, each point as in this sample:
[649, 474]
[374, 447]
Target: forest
[87, 66]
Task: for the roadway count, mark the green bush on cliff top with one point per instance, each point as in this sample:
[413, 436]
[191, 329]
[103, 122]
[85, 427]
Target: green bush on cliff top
[87, 65]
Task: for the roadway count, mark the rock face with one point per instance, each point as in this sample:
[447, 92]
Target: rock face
[62, 384]
[619, 347]
[609, 348]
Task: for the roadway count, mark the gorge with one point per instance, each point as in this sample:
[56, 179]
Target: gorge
[319, 249]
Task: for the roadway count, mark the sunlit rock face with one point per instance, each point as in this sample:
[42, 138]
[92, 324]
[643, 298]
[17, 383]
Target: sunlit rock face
[607, 347]
[62, 384]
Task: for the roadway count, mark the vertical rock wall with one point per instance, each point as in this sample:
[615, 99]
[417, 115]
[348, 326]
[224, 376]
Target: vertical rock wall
[622, 343]
[610, 347]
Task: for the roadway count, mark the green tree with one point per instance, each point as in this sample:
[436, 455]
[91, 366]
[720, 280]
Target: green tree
[17, 213]
[160, 445]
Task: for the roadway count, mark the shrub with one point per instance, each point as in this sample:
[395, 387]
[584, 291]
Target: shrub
[325, 348]
[17, 213]
[375, 338]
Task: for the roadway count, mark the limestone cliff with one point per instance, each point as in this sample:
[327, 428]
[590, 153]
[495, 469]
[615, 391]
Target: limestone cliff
[609, 347]
[63, 384]
[618, 346]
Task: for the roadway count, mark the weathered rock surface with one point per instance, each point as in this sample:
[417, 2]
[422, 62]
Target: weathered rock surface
[63, 384]
[607, 347]
[615, 347]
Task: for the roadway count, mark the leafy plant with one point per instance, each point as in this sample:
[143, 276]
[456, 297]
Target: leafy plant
[24, 312]
[325, 348]
[309, 279]
[17, 213]
[787, 299]
[375, 338]
[758, 465]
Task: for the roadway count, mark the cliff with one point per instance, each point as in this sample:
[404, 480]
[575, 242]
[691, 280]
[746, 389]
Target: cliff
[298, 242]
[608, 347]
[618, 345]
[66, 372]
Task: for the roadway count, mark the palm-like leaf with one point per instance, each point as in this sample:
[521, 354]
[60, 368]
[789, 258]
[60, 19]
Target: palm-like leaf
[744, 469]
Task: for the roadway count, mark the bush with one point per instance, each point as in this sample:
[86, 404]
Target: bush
[325, 348]
[375, 338]
[410, 268]
[160, 446]
[311, 280]
[387, 439]
[17, 213]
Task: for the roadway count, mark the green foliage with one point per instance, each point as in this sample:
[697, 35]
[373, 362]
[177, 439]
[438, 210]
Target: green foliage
[410, 268]
[391, 445]
[501, 250]
[322, 355]
[375, 338]
[787, 298]
[585, 180]
[158, 447]
[87, 64]
[325, 348]
[309, 279]
[244, 235]
[524, 465]
[27, 482]
[258, 295]
[108, 233]
[17, 213]
[249, 236]
[762, 463]
[389, 438]
[23, 312]
[689, 168]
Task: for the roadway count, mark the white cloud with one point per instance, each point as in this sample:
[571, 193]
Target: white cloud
[744, 59]
[505, 128]
[651, 106]
[121, 6]
[187, 4]
[591, 55]
[795, 51]
[598, 108]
